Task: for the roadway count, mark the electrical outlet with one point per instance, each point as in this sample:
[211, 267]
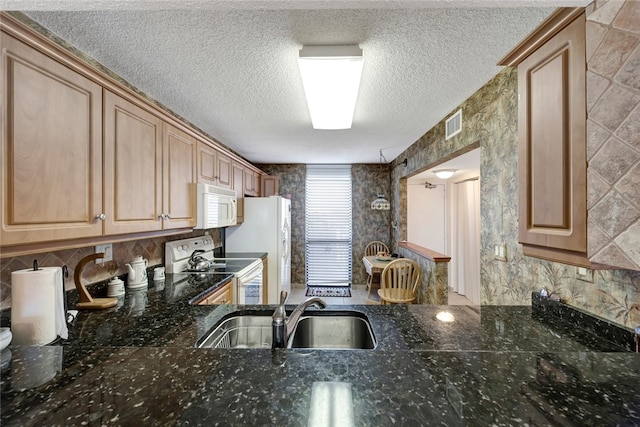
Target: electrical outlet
[108, 253]
[584, 274]
[500, 252]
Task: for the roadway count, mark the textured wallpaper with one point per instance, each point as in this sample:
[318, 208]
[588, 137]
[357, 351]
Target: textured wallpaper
[490, 120]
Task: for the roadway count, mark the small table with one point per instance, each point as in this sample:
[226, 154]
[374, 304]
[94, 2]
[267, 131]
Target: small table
[373, 266]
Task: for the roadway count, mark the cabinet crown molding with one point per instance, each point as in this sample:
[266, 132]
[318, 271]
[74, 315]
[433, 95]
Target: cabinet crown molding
[559, 19]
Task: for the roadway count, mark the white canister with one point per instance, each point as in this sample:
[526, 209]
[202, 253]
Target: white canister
[115, 288]
[158, 273]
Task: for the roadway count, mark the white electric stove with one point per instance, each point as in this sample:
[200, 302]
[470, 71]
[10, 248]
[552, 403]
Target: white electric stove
[247, 272]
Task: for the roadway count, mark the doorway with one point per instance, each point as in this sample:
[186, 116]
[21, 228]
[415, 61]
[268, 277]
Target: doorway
[442, 215]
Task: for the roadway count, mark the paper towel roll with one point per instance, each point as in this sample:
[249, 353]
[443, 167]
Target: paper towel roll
[37, 306]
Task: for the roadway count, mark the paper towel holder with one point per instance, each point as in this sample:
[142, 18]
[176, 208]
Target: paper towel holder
[86, 301]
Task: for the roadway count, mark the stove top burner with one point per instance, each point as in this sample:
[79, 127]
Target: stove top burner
[179, 252]
[196, 270]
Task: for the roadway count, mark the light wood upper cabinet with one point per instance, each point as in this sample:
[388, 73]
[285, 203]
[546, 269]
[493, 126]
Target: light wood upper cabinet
[269, 185]
[132, 167]
[225, 172]
[251, 182]
[552, 141]
[150, 171]
[214, 167]
[85, 159]
[238, 185]
[51, 152]
[207, 159]
[179, 173]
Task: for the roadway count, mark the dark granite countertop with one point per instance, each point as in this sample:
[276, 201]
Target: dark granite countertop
[508, 365]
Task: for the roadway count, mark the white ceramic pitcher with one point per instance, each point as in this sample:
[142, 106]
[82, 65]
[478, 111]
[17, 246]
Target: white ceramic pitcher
[137, 271]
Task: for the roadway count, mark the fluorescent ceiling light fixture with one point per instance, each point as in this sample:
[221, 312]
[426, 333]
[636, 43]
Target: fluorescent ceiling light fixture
[444, 173]
[331, 79]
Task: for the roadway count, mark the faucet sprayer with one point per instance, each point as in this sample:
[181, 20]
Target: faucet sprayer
[283, 327]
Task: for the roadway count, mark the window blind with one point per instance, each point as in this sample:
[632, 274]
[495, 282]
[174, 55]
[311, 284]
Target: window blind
[328, 215]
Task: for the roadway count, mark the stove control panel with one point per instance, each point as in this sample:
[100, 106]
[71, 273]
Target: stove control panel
[178, 252]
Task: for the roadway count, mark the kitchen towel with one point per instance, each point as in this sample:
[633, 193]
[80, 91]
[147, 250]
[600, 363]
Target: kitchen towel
[37, 306]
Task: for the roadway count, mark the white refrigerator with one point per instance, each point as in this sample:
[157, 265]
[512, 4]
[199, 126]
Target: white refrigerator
[266, 228]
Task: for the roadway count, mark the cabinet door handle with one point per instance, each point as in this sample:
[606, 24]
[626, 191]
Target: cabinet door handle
[101, 217]
[163, 216]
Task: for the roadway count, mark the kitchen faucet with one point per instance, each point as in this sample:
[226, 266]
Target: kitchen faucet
[283, 327]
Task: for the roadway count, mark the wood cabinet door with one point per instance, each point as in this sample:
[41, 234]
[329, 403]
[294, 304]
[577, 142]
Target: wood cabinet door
[214, 167]
[256, 183]
[223, 295]
[51, 152]
[132, 167]
[179, 174]
[269, 185]
[225, 172]
[207, 159]
[238, 186]
[250, 182]
[552, 143]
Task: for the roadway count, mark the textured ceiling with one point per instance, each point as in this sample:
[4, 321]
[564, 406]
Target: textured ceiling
[230, 67]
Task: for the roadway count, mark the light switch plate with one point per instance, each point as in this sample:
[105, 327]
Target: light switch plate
[500, 252]
[108, 253]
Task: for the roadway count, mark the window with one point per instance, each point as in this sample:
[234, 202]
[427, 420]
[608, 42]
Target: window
[328, 225]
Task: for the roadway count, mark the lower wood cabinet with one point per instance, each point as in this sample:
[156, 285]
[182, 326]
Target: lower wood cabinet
[222, 295]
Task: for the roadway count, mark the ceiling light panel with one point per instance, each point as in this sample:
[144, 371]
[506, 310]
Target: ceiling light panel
[331, 80]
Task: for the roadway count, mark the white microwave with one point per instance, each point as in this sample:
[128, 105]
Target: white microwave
[216, 207]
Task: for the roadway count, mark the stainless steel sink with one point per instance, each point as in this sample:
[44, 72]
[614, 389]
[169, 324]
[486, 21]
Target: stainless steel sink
[333, 330]
[346, 330]
[240, 331]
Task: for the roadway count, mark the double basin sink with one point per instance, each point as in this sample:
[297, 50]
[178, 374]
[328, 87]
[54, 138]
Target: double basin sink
[325, 329]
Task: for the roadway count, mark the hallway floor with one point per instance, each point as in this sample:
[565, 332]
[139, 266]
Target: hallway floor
[359, 296]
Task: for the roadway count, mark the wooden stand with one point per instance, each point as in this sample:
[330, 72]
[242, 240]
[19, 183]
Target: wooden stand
[86, 301]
